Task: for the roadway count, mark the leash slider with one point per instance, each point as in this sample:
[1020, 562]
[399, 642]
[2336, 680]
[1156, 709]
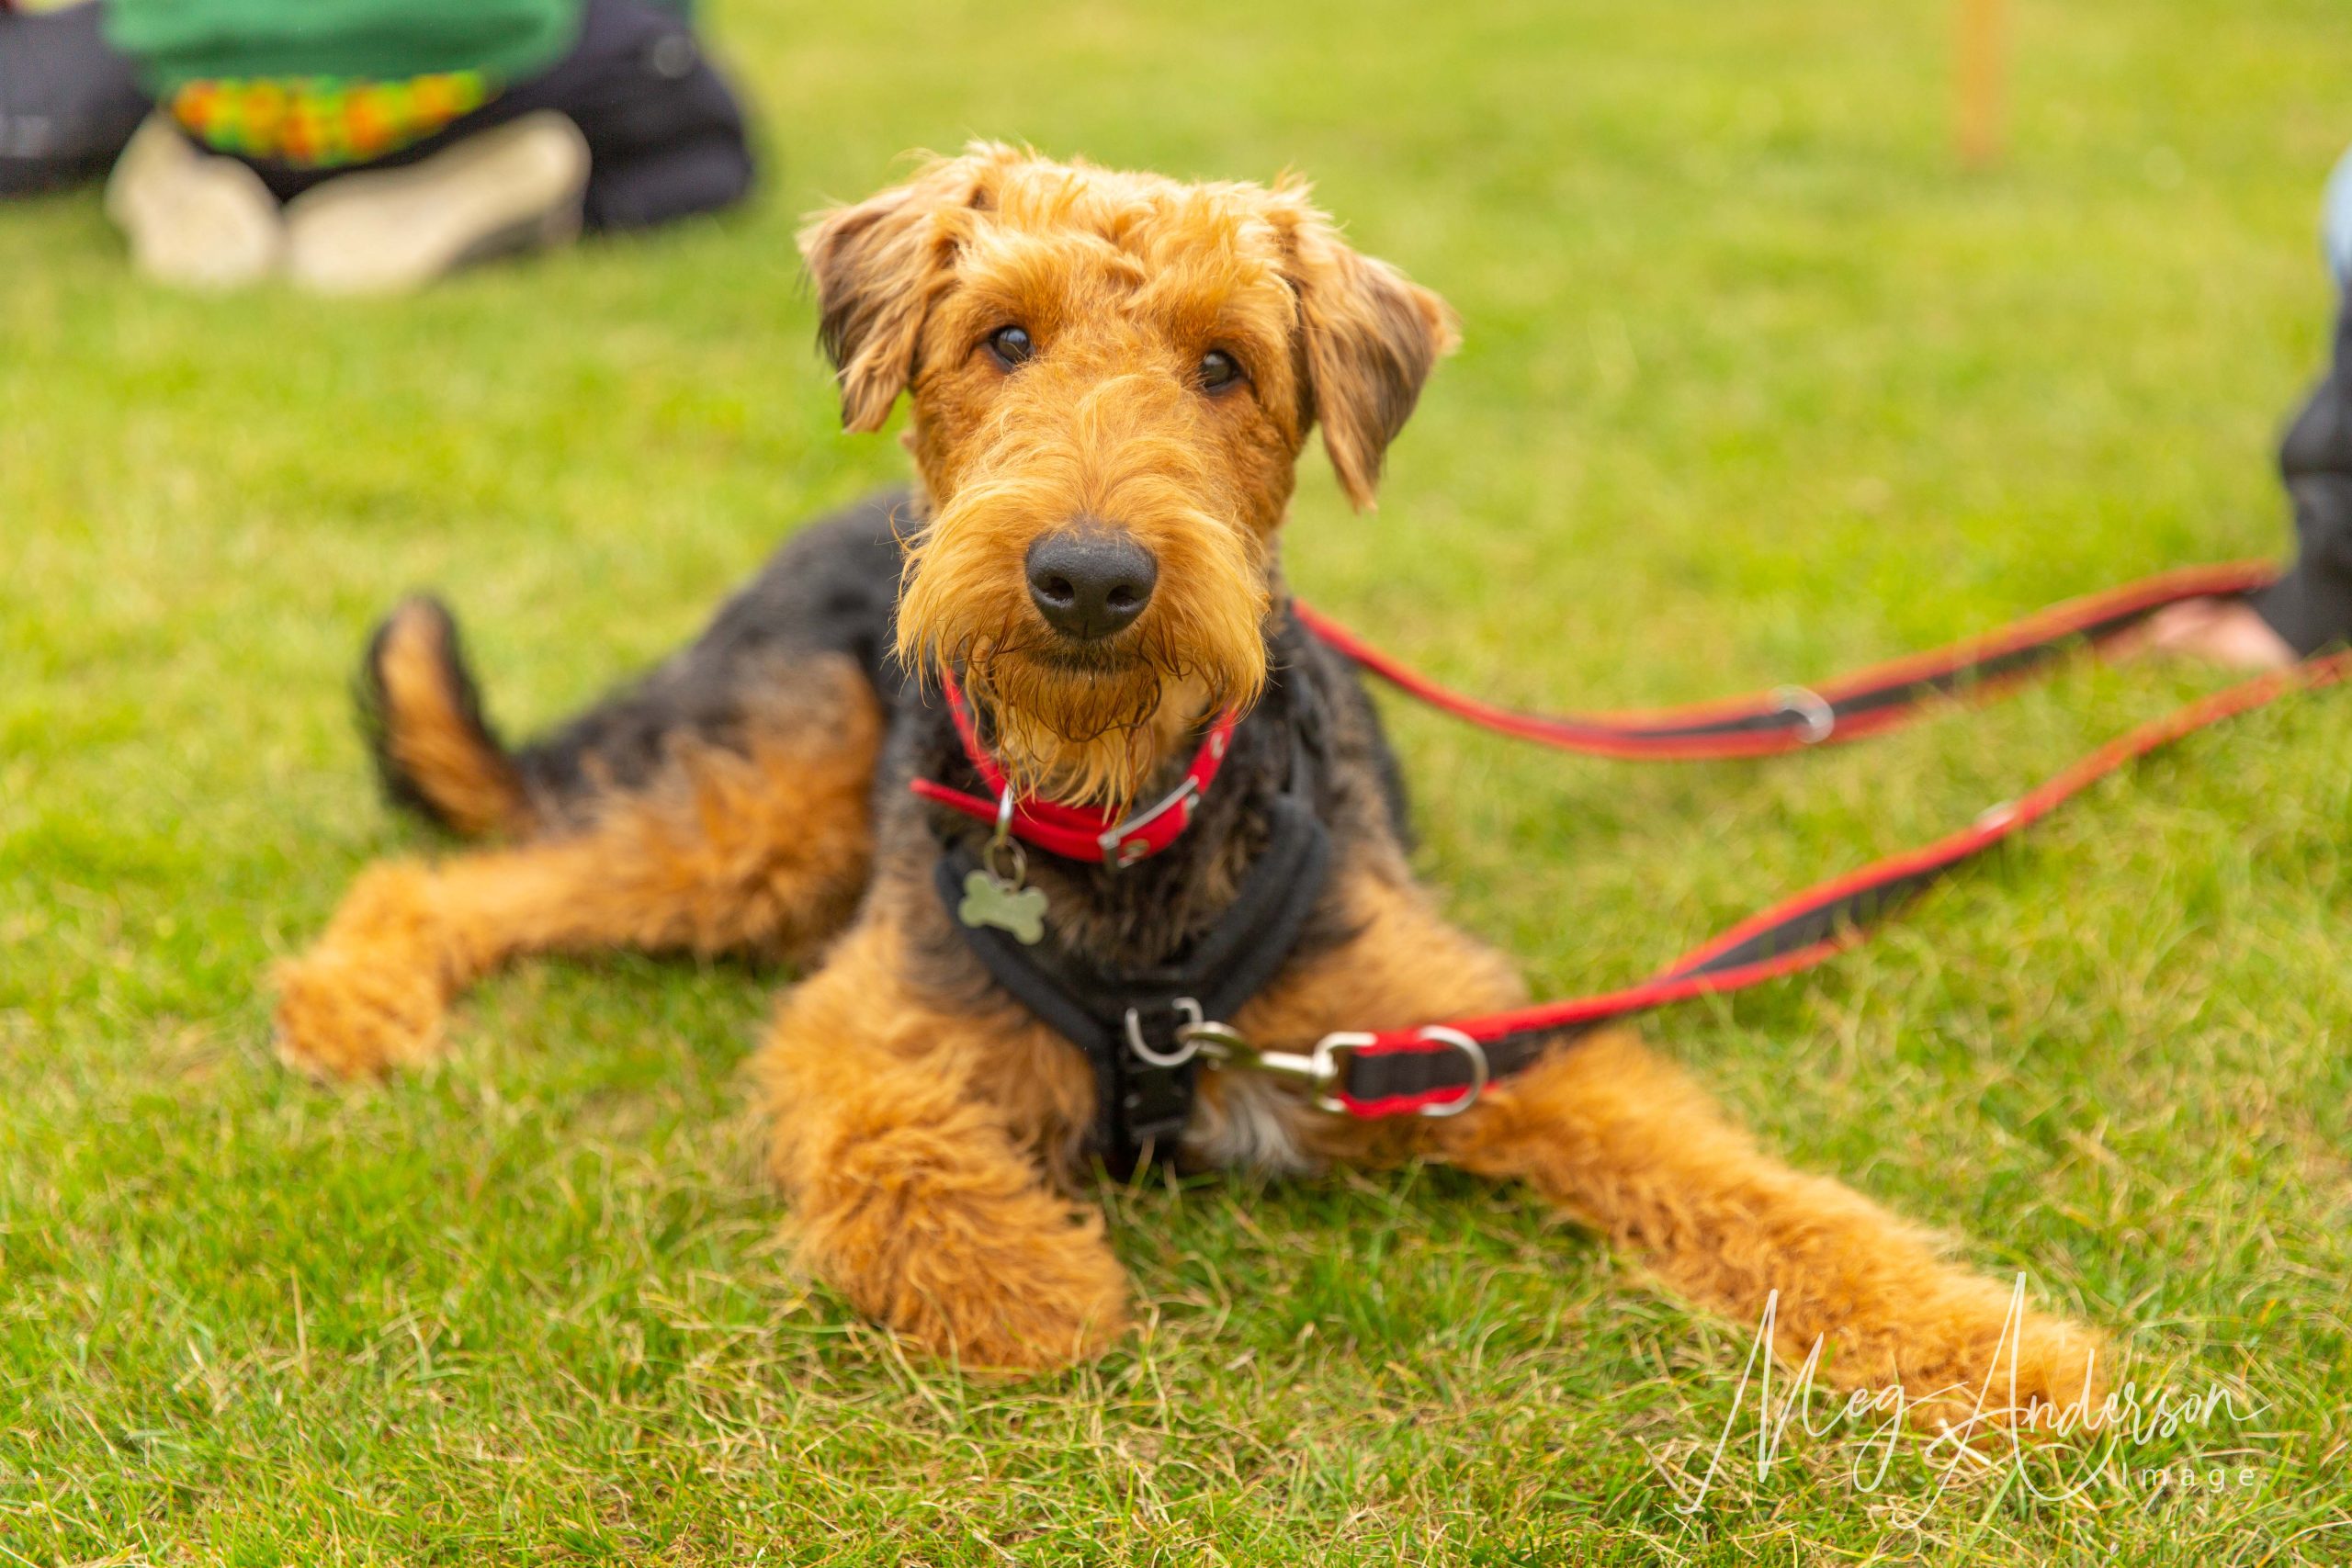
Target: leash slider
[1820, 719]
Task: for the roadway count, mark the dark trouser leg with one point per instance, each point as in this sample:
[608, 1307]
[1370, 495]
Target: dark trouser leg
[665, 134]
[68, 103]
[2311, 608]
[707, 175]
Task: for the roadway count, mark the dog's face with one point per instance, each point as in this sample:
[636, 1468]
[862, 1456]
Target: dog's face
[1113, 375]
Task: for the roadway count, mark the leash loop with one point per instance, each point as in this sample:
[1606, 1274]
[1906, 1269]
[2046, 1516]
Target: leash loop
[1820, 718]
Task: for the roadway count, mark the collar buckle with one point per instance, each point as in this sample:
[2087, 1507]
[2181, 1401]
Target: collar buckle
[1122, 845]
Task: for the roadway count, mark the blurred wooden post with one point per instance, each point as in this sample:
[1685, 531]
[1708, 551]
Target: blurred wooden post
[1982, 59]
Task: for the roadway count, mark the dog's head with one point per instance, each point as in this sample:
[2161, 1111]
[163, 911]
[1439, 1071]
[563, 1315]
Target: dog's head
[1112, 375]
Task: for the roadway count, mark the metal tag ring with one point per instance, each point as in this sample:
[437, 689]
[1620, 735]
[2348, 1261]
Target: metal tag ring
[998, 853]
[1003, 842]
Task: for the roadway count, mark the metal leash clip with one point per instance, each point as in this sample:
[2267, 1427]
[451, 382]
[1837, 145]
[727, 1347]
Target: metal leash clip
[1200, 1036]
[1318, 1069]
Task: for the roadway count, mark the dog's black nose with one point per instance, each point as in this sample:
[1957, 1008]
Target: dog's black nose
[1090, 582]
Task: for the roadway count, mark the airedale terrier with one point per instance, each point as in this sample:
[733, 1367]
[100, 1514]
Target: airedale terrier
[1079, 607]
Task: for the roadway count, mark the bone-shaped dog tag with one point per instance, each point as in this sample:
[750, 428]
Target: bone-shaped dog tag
[991, 902]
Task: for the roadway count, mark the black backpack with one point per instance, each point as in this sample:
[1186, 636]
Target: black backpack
[68, 103]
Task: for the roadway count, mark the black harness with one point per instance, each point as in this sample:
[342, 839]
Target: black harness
[1126, 1021]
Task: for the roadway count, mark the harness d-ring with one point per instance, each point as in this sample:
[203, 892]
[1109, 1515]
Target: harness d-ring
[1820, 718]
[1188, 1041]
[1477, 1056]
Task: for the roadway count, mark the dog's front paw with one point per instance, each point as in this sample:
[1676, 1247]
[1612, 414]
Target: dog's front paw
[1031, 1304]
[345, 1015]
[971, 1263]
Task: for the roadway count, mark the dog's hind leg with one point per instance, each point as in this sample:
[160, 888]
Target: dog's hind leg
[761, 846]
[721, 804]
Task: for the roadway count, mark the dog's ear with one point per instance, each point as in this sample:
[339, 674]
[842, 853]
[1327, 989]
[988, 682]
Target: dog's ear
[1369, 337]
[879, 265]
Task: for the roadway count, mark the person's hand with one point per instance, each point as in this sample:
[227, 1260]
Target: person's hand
[2226, 632]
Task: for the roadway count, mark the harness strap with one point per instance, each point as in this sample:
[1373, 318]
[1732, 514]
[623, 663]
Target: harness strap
[1130, 1024]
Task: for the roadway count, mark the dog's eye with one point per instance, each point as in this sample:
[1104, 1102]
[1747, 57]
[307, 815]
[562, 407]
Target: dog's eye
[1219, 371]
[1010, 345]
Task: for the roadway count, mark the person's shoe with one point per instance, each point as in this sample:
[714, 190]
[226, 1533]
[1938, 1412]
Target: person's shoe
[193, 219]
[517, 187]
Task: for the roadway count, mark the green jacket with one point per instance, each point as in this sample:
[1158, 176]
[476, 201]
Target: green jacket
[179, 41]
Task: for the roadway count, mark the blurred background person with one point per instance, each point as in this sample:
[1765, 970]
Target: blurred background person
[373, 145]
[2309, 608]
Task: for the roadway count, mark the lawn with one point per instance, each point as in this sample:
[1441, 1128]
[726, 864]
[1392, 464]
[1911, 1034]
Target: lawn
[1756, 384]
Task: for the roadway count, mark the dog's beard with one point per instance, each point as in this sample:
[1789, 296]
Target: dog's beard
[1088, 723]
[1085, 726]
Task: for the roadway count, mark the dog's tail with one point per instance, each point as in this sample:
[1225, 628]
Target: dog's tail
[422, 716]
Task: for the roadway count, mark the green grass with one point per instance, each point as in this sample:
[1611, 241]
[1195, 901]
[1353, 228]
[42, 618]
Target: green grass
[1756, 385]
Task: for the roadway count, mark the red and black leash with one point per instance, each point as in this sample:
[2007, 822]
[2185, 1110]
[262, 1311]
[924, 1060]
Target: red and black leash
[1440, 1068]
[1868, 702]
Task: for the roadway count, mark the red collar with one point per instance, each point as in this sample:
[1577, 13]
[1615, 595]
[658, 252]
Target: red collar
[1078, 833]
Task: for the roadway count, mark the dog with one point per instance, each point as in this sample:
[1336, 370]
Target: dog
[1079, 608]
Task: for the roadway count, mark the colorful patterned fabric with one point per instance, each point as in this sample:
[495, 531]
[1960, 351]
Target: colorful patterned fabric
[324, 121]
[178, 42]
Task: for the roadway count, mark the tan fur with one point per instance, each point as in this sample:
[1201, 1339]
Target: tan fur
[911, 1138]
[1625, 1142]
[474, 787]
[763, 850]
[930, 1144]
